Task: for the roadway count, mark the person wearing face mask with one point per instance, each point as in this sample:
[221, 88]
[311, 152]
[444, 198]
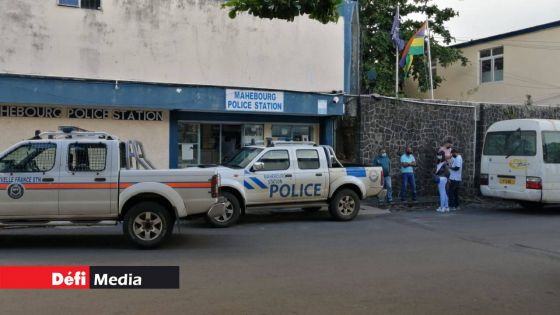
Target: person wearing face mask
[455, 179]
[384, 162]
[441, 176]
[408, 163]
[446, 149]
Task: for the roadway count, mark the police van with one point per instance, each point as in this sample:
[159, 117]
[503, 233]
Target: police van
[287, 174]
[521, 161]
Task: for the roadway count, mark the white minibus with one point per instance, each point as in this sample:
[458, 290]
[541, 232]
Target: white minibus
[521, 161]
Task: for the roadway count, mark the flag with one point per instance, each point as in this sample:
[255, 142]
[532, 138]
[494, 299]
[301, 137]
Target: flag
[414, 46]
[395, 32]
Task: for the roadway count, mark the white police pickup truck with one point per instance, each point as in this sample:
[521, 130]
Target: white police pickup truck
[294, 175]
[75, 177]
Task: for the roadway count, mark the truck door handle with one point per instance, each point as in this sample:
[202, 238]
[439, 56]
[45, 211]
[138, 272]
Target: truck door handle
[100, 179]
[288, 175]
[319, 174]
[48, 180]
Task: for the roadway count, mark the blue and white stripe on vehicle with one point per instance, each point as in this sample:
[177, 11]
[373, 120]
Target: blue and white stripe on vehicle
[356, 171]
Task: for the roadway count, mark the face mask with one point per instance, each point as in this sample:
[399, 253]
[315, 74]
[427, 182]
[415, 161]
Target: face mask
[454, 155]
[439, 157]
[383, 154]
[408, 153]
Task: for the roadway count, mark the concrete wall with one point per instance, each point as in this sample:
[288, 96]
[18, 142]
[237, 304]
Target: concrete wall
[153, 134]
[530, 67]
[171, 41]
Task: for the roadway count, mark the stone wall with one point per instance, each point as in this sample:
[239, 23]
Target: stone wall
[394, 124]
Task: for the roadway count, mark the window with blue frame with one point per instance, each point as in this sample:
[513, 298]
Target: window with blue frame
[84, 4]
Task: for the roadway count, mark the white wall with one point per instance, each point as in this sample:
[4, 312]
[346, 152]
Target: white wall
[172, 41]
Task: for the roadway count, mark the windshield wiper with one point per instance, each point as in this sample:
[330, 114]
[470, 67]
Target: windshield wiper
[517, 146]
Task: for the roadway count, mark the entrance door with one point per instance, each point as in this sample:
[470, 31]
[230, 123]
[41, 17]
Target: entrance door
[27, 181]
[231, 141]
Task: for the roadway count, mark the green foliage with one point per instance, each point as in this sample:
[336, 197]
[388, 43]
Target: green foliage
[378, 52]
[324, 11]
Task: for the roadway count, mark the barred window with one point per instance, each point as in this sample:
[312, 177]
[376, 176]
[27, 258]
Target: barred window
[85, 4]
[29, 158]
[87, 157]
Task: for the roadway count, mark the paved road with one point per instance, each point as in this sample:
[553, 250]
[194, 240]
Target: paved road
[476, 261]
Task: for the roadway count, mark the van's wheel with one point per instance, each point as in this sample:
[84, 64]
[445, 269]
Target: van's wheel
[147, 224]
[231, 215]
[345, 205]
[312, 209]
[531, 205]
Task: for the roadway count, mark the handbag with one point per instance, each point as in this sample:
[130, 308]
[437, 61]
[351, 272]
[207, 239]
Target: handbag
[435, 179]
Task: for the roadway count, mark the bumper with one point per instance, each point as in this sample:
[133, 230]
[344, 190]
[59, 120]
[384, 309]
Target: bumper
[526, 195]
[218, 209]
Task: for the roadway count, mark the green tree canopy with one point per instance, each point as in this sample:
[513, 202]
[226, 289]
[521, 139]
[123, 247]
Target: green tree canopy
[324, 11]
[378, 51]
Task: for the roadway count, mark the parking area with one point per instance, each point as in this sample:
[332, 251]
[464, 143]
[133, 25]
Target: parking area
[482, 259]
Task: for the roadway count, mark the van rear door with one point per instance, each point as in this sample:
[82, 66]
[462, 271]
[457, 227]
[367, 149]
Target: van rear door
[508, 155]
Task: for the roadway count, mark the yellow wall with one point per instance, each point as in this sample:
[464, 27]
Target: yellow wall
[531, 66]
[153, 134]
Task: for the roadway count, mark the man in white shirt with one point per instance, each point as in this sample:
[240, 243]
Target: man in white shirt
[455, 178]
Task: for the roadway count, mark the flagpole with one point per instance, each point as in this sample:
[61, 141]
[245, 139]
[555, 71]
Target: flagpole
[430, 60]
[397, 62]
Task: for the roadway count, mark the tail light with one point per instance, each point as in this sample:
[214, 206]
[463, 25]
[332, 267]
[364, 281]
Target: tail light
[215, 186]
[533, 183]
[483, 180]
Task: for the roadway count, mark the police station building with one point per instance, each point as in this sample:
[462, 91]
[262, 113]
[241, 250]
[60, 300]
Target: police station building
[181, 76]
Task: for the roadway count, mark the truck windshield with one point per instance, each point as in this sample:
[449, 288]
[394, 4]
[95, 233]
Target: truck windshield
[507, 143]
[243, 158]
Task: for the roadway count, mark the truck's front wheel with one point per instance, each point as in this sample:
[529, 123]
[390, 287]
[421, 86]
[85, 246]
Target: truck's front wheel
[147, 224]
[232, 214]
[345, 205]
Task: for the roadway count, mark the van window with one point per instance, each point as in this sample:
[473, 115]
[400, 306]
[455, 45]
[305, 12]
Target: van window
[551, 146]
[517, 143]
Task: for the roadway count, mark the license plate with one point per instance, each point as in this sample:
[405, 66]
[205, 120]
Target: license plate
[506, 181]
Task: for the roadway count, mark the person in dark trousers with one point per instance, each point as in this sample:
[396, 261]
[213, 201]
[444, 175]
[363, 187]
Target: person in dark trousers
[408, 163]
[455, 178]
[384, 162]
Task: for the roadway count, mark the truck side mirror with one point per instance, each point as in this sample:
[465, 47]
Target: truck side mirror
[258, 166]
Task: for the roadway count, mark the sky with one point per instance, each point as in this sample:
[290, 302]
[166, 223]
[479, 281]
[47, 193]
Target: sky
[483, 18]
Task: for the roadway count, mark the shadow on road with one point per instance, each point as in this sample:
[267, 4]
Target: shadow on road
[279, 217]
[116, 241]
[552, 210]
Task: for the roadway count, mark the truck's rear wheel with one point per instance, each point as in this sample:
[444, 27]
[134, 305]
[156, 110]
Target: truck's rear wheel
[147, 224]
[345, 205]
[231, 215]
